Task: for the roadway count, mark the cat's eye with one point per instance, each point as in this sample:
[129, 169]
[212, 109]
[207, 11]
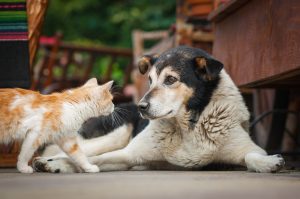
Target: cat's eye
[150, 80]
[170, 80]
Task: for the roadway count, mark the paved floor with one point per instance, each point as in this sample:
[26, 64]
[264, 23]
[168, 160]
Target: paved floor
[150, 184]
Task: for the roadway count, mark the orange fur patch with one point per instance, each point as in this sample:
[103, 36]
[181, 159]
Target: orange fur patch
[9, 116]
[74, 148]
[201, 62]
[13, 101]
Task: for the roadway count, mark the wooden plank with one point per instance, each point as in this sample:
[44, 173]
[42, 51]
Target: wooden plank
[65, 67]
[286, 79]
[191, 2]
[260, 41]
[109, 70]
[9, 154]
[95, 49]
[225, 9]
[89, 67]
[127, 73]
[204, 9]
[153, 35]
[8, 160]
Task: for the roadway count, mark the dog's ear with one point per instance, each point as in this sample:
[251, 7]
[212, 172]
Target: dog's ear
[208, 68]
[146, 62]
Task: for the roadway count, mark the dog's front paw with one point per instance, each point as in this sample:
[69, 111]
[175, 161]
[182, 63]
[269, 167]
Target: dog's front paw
[271, 163]
[24, 168]
[54, 165]
[264, 164]
[278, 162]
[91, 169]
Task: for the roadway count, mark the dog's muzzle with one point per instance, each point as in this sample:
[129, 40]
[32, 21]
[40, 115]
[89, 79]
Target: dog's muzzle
[143, 107]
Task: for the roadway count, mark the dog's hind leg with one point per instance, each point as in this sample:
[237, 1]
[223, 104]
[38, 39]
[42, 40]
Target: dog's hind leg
[240, 149]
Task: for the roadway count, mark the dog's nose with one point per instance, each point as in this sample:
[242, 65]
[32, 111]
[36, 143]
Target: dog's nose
[143, 106]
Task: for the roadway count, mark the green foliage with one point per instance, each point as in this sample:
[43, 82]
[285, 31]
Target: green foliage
[107, 22]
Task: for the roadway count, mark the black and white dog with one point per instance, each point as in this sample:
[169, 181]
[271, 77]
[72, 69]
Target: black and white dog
[196, 117]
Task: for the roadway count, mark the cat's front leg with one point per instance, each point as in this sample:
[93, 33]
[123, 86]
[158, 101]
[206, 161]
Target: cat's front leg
[29, 146]
[70, 146]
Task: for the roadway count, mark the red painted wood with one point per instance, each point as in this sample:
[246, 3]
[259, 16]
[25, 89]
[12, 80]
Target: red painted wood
[259, 43]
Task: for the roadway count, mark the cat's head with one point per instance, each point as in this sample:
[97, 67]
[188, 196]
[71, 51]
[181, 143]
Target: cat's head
[99, 96]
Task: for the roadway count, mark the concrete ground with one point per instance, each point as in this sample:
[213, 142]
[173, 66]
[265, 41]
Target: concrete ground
[150, 184]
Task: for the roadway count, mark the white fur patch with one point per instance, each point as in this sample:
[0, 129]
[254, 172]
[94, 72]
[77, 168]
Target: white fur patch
[263, 163]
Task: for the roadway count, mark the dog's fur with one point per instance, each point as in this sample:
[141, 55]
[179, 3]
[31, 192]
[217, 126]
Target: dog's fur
[197, 117]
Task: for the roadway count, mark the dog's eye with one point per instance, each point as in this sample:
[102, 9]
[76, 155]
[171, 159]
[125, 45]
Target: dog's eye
[170, 80]
[150, 80]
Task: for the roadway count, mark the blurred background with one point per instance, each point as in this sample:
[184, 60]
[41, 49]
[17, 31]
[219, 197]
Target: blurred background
[105, 22]
[258, 42]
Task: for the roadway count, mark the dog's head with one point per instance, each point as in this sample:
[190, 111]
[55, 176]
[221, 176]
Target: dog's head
[182, 77]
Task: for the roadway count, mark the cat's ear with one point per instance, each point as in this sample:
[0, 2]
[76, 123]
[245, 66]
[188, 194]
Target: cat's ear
[91, 82]
[108, 85]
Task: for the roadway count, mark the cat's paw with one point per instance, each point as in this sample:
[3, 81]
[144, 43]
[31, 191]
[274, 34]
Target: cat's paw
[25, 169]
[91, 169]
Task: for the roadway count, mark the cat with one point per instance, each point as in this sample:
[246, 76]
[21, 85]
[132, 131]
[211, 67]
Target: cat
[39, 119]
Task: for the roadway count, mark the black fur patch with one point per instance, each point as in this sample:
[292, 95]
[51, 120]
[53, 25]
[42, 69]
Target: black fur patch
[98, 126]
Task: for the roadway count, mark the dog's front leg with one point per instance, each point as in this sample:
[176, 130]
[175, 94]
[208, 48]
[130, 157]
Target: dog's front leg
[140, 151]
[240, 149]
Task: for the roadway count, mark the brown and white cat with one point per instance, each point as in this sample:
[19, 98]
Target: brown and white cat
[38, 119]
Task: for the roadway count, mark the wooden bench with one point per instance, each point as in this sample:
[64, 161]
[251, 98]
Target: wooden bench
[259, 44]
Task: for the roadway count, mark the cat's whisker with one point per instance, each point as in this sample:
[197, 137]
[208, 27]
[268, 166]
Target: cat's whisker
[118, 121]
[118, 118]
[116, 90]
[122, 111]
[113, 118]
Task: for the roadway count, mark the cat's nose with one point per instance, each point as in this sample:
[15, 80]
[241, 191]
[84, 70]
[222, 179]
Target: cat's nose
[143, 106]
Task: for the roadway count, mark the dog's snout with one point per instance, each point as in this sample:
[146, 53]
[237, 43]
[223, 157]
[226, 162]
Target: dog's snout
[144, 106]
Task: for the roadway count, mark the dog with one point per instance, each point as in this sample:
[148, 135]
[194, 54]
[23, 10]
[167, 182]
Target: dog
[196, 115]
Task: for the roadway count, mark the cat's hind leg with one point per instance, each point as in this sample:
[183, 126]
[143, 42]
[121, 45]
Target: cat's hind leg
[71, 147]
